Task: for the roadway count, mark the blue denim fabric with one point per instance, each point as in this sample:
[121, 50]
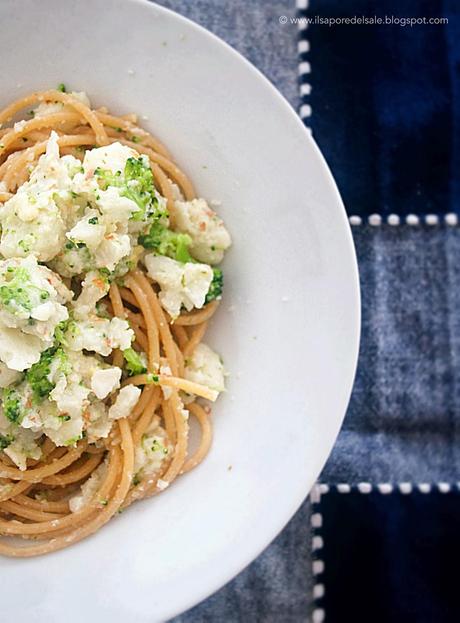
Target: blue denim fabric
[403, 420]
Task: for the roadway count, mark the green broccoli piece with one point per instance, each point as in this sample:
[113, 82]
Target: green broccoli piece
[60, 331]
[216, 287]
[37, 375]
[136, 183]
[5, 441]
[166, 242]
[18, 293]
[61, 88]
[12, 408]
[134, 363]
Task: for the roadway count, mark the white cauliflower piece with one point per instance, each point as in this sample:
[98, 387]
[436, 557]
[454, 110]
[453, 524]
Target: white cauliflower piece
[181, 284]
[151, 452]
[18, 350]
[44, 109]
[7, 376]
[31, 298]
[111, 157]
[88, 230]
[88, 489]
[210, 238]
[112, 249]
[126, 401]
[24, 446]
[205, 367]
[32, 222]
[105, 381]
[115, 209]
[70, 397]
[98, 422]
[93, 288]
[99, 335]
[50, 108]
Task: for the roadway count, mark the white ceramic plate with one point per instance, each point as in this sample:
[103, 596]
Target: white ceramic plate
[288, 327]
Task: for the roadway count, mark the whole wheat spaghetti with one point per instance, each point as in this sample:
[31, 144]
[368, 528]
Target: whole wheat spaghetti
[108, 281]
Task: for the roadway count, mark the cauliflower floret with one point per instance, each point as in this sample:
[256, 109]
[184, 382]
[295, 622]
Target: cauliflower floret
[205, 367]
[29, 300]
[7, 376]
[103, 382]
[94, 287]
[112, 157]
[17, 443]
[70, 396]
[68, 433]
[98, 424]
[210, 238]
[18, 350]
[82, 97]
[73, 260]
[88, 489]
[88, 230]
[44, 109]
[115, 209]
[32, 222]
[151, 452]
[100, 335]
[126, 401]
[112, 249]
[50, 108]
[22, 447]
[181, 284]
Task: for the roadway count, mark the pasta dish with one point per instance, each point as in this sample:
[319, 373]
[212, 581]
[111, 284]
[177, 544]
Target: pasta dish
[108, 279]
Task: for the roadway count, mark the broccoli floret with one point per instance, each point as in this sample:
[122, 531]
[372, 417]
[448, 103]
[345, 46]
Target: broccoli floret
[216, 287]
[5, 441]
[37, 375]
[136, 183]
[18, 293]
[73, 440]
[12, 408]
[134, 363]
[60, 331]
[61, 88]
[166, 242]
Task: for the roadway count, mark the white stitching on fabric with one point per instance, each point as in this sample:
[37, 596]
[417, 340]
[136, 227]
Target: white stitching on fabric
[383, 487]
[318, 615]
[316, 521]
[444, 487]
[432, 220]
[304, 69]
[318, 591]
[302, 5]
[317, 543]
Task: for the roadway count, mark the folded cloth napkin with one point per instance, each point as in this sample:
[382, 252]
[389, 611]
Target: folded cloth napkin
[385, 103]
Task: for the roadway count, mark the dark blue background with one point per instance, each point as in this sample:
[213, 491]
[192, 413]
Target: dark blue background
[390, 558]
[386, 105]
